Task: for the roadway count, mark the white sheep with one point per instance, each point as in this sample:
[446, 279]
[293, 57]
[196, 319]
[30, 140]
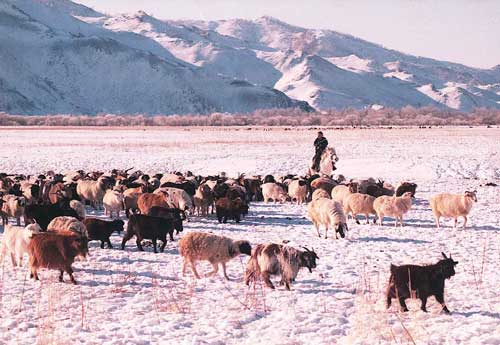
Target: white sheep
[176, 198]
[328, 213]
[297, 189]
[15, 242]
[320, 193]
[92, 191]
[453, 206]
[68, 224]
[341, 192]
[215, 249]
[13, 206]
[393, 206]
[358, 203]
[113, 202]
[79, 208]
[273, 191]
[171, 178]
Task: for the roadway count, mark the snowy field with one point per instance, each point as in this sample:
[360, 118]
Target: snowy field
[131, 297]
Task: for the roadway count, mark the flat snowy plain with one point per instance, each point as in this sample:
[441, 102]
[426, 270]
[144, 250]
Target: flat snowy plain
[131, 297]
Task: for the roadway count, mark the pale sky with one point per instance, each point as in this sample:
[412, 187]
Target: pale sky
[463, 31]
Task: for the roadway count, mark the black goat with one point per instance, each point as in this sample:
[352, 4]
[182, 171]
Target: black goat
[413, 281]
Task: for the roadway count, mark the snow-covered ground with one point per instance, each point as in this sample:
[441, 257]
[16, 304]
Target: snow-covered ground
[131, 297]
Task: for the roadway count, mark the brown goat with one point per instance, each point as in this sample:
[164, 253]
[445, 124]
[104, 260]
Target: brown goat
[55, 251]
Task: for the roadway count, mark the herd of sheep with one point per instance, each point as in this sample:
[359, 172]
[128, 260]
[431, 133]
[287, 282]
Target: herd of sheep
[57, 230]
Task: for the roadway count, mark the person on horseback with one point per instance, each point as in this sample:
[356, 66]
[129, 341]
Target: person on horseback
[320, 144]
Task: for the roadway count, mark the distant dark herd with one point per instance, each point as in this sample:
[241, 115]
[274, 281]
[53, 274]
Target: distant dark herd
[57, 230]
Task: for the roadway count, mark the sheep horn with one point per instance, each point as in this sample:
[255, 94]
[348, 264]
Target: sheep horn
[444, 255]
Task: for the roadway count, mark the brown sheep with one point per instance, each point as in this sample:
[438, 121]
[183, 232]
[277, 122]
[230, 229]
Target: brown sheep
[148, 200]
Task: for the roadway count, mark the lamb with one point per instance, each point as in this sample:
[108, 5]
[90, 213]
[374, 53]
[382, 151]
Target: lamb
[276, 259]
[216, 249]
[226, 208]
[328, 213]
[13, 206]
[55, 251]
[203, 198]
[320, 193]
[404, 187]
[151, 228]
[93, 191]
[101, 230]
[113, 202]
[68, 224]
[273, 191]
[421, 281]
[393, 206]
[358, 203]
[15, 242]
[452, 205]
[340, 192]
[297, 189]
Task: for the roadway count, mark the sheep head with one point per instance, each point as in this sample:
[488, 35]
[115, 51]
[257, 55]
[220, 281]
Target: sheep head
[244, 247]
[471, 195]
[341, 229]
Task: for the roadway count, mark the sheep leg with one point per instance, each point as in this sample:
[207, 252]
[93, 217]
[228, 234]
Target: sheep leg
[402, 303]
[139, 244]
[193, 268]
[224, 270]
[388, 301]
[438, 225]
[355, 217]
[440, 299]
[266, 277]
[127, 237]
[287, 284]
[102, 244]
[184, 267]
[20, 261]
[455, 224]
[215, 270]
[317, 229]
[162, 248]
[154, 245]
[13, 258]
[61, 276]
[424, 303]
[380, 219]
[109, 243]
[465, 221]
[367, 216]
[70, 273]
[18, 221]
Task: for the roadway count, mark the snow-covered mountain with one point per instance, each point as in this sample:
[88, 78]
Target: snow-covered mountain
[58, 56]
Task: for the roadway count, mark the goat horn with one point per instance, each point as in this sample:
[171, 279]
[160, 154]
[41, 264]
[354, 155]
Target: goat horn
[444, 255]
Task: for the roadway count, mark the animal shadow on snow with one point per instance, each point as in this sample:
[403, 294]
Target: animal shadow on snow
[387, 239]
[480, 313]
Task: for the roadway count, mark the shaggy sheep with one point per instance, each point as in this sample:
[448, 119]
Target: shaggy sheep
[276, 259]
[328, 213]
[79, 208]
[216, 249]
[323, 183]
[320, 193]
[358, 203]
[68, 224]
[273, 191]
[113, 202]
[453, 206]
[93, 191]
[13, 206]
[340, 192]
[55, 251]
[15, 242]
[393, 206]
[297, 189]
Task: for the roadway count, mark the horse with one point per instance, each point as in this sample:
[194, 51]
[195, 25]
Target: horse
[327, 164]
